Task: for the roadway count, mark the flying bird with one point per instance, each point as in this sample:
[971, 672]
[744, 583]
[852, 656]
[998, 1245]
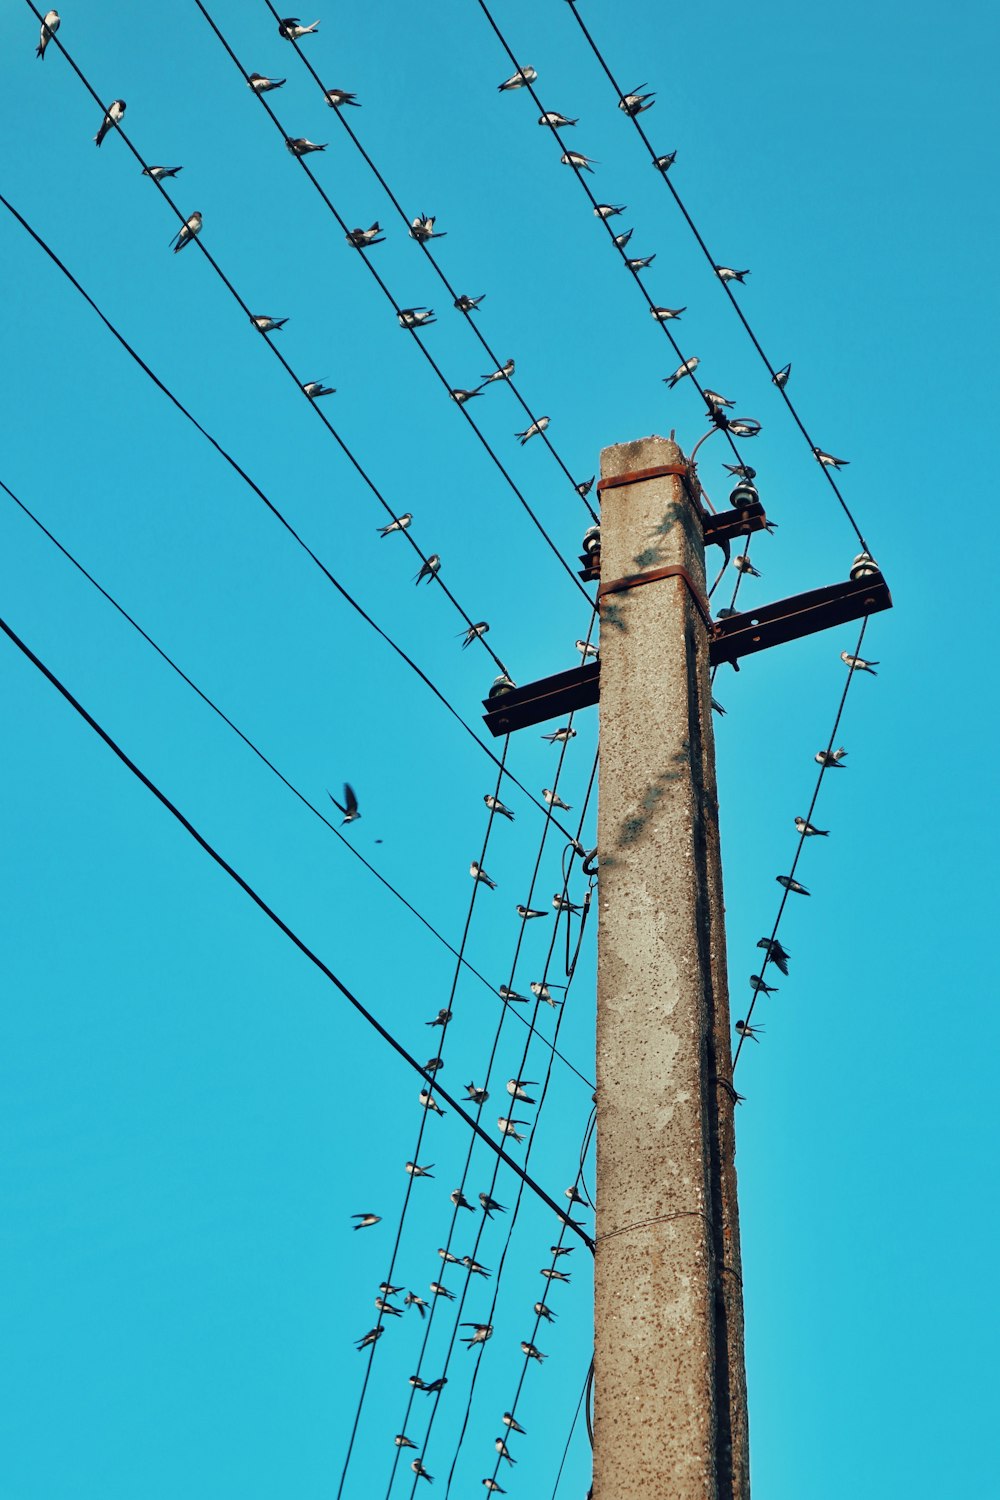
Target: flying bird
[475, 1094]
[429, 569]
[315, 388]
[726, 273]
[467, 304]
[792, 885]
[743, 564]
[116, 112]
[478, 873]
[759, 987]
[780, 377]
[461, 1201]
[718, 708]
[399, 524]
[349, 806]
[363, 239]
[635, 103]
[422, 229]
[415, 317]
[292, 29]
[778, 955]
[554, 800]
[370, 1337]
[744, 1029]
[560, 736]
[366, 1221]
[501, 1448]
[474, 633]
[262, 85]
[578, 161]
[480, 1333]
[532, 1353]
[187, 232]
[553, 118]
[518, 80]
[337, 98]
[441, 1019]
[509, 1127]
[831, 760]
[828, 460]
[158, 173]
[490, 1205]
[504, 373]
[50, 25]
[496, 806]
[858, 663]
[517, 1088]
[299, 146]
[265, 324]
[687, 368]
[809, 830]
[665, 314]
[538, 426]
[412, 1300]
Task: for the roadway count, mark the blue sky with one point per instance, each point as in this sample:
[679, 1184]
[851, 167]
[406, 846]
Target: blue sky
[191, 1114]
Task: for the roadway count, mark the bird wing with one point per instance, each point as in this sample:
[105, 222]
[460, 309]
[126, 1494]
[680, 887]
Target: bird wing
[350, 799]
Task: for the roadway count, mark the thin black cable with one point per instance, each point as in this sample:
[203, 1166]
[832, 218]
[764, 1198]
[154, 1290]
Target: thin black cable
[270, 505]
[622, 251]
[283, 926]
[270, 765]
[664, 175]
[803, 836]
[442, 277]
[572, 1429]
[373, 271]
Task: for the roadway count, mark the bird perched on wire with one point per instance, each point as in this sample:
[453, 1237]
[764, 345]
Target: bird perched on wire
[518, 80]
[635, 103]
[265, 324]
[496, 806]
[50, 25]
[349, 806]
[418, 1171]
[503, 373]
[385, 1306]
[665, 314]
[416, 317]
[715, 401]
[586, 648]
[399, 524]
[460, 395]
[554, 800]
[780, 377]
[433, 1386]
[511, 996]
[740, 471]
[687, 368]
[262, 85]
[315, 388]
[366, 1221]
[665, 162]
[115, 114]
[558, 1250]
[621, 240]
[517, 1088]
[490, 1205]
[859, 664]
[792, 885]
[563, 903]
[493, 1488]
[501, 1448]
[809, 830]
[743, 565]
[560, 736]
[544, 1312]
[474, 1268]
[480, 1333]
[530, 1350]
[537, 427]
[640, 262]
[467, 304]
[778, 955]
[475, 1094]
[402, 1441]
[434, 1065]
[370, 1337]
[428, 1101]
[541, 991]
[509, 1127]
[419, 1470]
[759, 987]
[461, 1201]
[552, 1275]
[473, 633]
[555, 120]
[585, 486]
[726, 273]
[364, 239]
[574, 1195]
[527, 913]
[510, 1421]
[744, 1029]
[338, 98]
[292, 29]
[422, 229]
[609, 210]
[298, 145]
[828, 460]
[441, 1019]
[578, 161]
[429, 569]
[478, 873]
[439, 1290]
[157, 174]
[448, 1258]
[831, 760]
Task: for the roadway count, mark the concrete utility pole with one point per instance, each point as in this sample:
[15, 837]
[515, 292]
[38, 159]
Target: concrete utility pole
[670, 1382]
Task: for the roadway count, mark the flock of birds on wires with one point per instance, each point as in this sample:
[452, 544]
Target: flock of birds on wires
[416, 1299]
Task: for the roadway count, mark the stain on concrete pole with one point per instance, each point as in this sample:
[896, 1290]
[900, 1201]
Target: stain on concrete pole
[670, 1388]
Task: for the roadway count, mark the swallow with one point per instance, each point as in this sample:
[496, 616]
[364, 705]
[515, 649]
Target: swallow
[389, 1291]
[315, 388]
[428, 1100]
[744, 427]
[560, 736]
[299, 146]
[501, 1448]
[609, 210]
[264, 324]
[509, 1420]
[501, 684]
[448, 1258]
[740, 471]
[419, 1469]
[496, 806]
[775, 952]
[434, 1065]
[621, 240]
[715, 401]
[415, 317]
[477, 873]
[541, 991]
[792, 885]
[116, 112]
[640, 262]
[429, 569]
[433, 1386]
[665, 314]
[349, 806]
[554, 800]
[555, 120]
[399, 524]
[537, 427]
[490, 1205]
[726, 273]
[563, 903]
[526, 913]
[828, 460]
[518, 80]
[476, 1095]
[518, 1088]
[262, 85]
[509, 1127]
[417, 1171]
[552, 1275]
[385, 1306]
[50, 25]
[809, 830]
[578, 161]
[664, 163]
[635, 103]
[460, 395]
[511, 997]
[492, 1486]
[743, 564]
[417, 1383]
[467, 304]
[461, 1201]
[858, 663]
[480, 1333]
[545, 1313]
[532, 1353]
[370, 1337]
[441, 1019]
[780, 377]
[759, 987]
[402, 1441]
[573, 1194]
[422, 229]
[585, 486]
[558, 1250]
[158, 173]
[364, 239]
[718, 708]
[830, 759]
[337, 98]
[687, 368]
[504, 373]
[474, 1268]
[366, 1221]
[292, 29]
[744, 1029]
[474, 633]
[412, 1300]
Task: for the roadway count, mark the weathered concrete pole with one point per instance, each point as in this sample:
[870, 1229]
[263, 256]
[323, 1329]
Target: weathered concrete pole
[670, 1387]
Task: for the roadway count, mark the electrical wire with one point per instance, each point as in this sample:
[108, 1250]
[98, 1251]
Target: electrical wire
[663, 173]
[282, 926]
[432, 259]
[803, 836]
[572, 1429]
[373, 271]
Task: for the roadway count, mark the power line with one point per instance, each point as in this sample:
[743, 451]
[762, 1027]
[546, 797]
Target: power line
[443, 278]
[283, 926]
[663, 173]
